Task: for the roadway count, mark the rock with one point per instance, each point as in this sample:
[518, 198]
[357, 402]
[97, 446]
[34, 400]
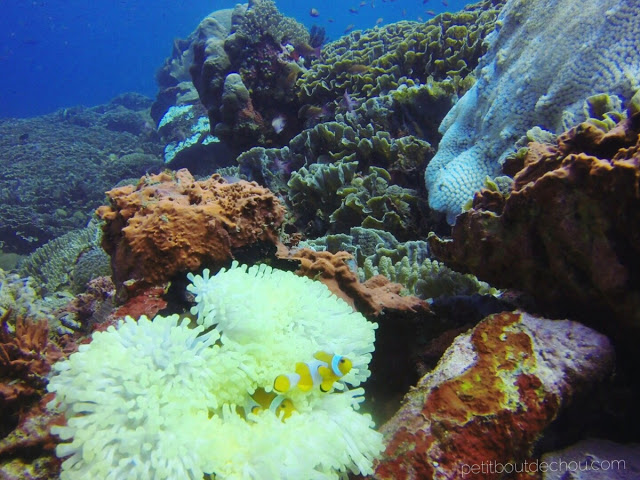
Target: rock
[492, 395]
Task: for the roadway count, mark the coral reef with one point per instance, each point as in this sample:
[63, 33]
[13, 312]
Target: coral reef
[521, 83]
[426, 278]
[67, 262]
[170, 223]
[372, 297]
[346, 173]
[87, 309]
[174, 79]
[567, 234]
[257, 63]
[371, 63]
[491, 396]
[186, 133]
[56, 167]
[378, 252]
[26, 444]
[28, 452]
[25, 360]
[164, 394]
[19, 297]
[339, 198]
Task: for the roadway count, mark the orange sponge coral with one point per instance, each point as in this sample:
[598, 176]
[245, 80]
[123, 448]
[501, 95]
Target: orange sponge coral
[171, 223]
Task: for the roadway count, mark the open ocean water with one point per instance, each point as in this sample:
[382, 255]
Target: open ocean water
[61, 53]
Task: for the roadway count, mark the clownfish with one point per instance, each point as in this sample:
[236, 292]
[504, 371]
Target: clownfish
[323, 371]
[280, 406]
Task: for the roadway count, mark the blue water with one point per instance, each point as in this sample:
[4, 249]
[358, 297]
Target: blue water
[61, 53]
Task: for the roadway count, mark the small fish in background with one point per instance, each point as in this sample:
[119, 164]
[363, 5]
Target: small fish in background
[363, 3]
[353, 10]
[357, 69]
[420, 19]
[349, 102]
[330, 20]
[379, 21]
[350, 27]
[430, 12]
[445, 3]
[307, 51]
[314, 12]
[312, 114]
[278, 123]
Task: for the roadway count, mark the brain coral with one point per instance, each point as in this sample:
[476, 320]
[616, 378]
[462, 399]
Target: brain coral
[545, 59]
[170, 223]
[157, 399]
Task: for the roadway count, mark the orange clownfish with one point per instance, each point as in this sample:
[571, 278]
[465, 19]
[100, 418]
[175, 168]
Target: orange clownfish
[261, 400]
[323, 371]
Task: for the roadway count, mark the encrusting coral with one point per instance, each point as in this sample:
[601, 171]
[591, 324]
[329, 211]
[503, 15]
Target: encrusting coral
[162, 399]
[374, 296]
[491, 396]
[26, 356]
[171, 223]
[567, 233]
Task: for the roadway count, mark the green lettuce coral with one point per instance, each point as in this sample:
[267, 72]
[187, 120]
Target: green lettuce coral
[162, 399]
[369, 63]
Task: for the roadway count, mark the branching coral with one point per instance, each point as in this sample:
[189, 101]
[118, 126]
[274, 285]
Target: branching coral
[158, 399]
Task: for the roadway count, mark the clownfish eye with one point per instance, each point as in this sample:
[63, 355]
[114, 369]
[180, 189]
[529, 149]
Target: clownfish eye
[342, 360]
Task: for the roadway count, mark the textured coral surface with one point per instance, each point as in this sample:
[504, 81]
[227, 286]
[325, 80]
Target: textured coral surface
[569, 232]
[371, 297]
[55, 168]
[491, 396]
[369, 63]
[26, 444]
[523, 83]
[171, 223]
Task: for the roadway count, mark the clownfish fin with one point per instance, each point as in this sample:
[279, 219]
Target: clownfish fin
[323, 357]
